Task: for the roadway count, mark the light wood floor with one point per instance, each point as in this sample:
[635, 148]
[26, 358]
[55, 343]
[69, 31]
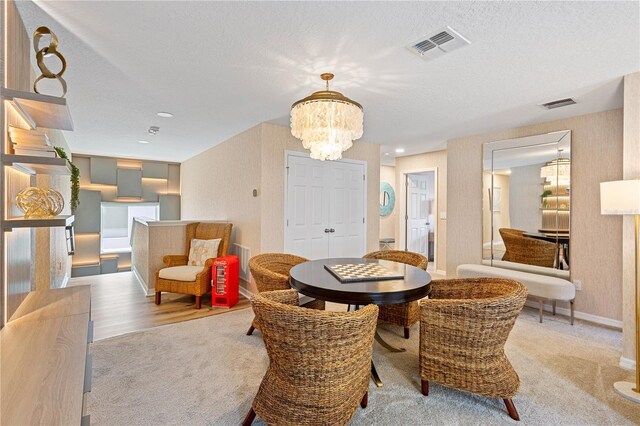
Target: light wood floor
[119, 305]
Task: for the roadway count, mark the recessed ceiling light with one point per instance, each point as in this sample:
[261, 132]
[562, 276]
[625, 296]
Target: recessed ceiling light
[143, 141]
[399, 150]
[165, 114]
[386, 153]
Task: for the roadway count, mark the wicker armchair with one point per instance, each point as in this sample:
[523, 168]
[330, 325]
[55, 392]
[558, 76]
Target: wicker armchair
[202, 283]
[402, 314]
[463, 328]
[271, 272]
[521, 249]
[319, 361]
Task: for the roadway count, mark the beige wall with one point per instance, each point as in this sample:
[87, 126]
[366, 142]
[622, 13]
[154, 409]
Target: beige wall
[388, 224]
[218, 184]
[417, 163]
[596, 252]
[631, 171]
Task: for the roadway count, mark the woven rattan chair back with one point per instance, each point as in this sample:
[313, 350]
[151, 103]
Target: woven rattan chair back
[530, 251]
[271, 270]
[406, 257]
[463, 329]
[319, 361]
[210, 231]
[402, 314]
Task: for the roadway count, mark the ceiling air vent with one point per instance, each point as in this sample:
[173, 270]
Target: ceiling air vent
[437, 44]
[559, 103]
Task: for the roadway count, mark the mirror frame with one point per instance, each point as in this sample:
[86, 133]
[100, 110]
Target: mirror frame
[562, 139]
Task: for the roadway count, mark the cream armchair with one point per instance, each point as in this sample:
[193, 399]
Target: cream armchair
[179, 277]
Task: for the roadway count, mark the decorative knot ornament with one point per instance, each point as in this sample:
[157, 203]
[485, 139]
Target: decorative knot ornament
[40, 203]
[51, 50]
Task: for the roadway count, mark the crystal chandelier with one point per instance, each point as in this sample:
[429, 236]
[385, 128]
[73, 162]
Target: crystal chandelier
[326, 122]
[557, 172]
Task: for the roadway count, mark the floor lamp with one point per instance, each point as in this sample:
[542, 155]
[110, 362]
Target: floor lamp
[622, 197]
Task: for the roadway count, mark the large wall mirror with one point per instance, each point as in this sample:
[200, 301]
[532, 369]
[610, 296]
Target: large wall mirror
[527, 204]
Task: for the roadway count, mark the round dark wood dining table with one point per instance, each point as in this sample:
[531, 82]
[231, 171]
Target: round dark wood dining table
[312, 279]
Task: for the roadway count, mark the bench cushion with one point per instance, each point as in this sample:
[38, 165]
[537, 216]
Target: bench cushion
[538, 285]
[180, 273]
[534, 269]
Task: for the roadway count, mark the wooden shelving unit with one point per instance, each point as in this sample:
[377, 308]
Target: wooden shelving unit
[20, 222]
[37, 165]
[38, 110]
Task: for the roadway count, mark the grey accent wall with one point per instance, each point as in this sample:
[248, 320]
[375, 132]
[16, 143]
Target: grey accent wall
[103, 170]
[88, 212]
[129, 183]
[169, 207]
[104, 179]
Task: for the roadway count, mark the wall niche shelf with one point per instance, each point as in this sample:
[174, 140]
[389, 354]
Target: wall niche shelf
[39, 110]
[20, 222]
[37, 165]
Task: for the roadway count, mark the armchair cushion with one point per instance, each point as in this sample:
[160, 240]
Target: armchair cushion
[180, 273]
[201, 250]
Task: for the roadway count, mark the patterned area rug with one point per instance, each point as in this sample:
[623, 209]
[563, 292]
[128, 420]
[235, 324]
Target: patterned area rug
[207, 371]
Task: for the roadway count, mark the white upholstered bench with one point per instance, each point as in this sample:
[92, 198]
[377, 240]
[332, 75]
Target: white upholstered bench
[541, 287]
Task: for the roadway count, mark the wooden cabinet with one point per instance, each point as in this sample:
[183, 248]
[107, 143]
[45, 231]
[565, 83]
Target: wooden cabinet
[46, 364]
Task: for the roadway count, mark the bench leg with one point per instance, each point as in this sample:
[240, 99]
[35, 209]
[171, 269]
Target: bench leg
[554, 307]
[571, 302]
[541, 306]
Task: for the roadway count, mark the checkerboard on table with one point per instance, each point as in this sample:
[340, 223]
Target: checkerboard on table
[356, 272]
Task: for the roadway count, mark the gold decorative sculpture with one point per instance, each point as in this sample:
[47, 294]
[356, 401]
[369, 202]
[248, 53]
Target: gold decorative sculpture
[40, 203]
[52, 49]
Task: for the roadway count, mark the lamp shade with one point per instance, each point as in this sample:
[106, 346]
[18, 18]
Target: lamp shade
[620, 197]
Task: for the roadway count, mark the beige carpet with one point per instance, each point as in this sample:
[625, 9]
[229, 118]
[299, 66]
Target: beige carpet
[207, 371]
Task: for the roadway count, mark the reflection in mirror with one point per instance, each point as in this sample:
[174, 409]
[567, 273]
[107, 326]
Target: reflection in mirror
[527, 203]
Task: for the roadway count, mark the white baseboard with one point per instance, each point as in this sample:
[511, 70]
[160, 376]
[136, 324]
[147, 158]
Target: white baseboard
[627, 363]
[579, 315]
[246, 293]
[141, 282]
[441, 272]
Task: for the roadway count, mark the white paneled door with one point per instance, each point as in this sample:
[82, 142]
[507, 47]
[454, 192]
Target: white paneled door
[325, 208]
[419, 200]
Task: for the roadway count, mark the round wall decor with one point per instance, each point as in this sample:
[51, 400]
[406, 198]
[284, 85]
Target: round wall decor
[387, 199]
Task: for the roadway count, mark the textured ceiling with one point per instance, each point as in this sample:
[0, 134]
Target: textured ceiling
[224, 67]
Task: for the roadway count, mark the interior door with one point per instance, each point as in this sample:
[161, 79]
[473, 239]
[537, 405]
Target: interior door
[419, 198]
[325, 208]
[307, 210]
[347, 211]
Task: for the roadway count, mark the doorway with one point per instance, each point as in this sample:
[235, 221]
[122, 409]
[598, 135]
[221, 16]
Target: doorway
[325, 207]
[420, 217]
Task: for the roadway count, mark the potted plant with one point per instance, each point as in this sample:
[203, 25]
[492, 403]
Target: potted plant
[75, 179]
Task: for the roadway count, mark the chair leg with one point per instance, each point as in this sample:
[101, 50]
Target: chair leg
[571, 302]
[198, 302]
[406, 332]
[250, 416]
[425, 387]
[158, 297]
[541, 306]
[365, 400]
[513, 413]
[250, 331]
